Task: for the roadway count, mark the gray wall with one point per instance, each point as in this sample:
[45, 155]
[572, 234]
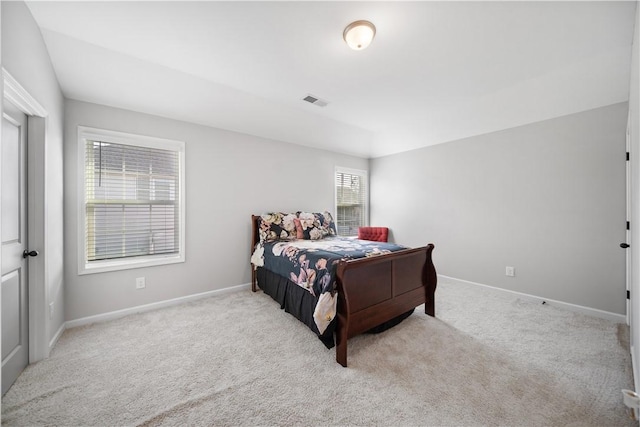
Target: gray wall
[229, 176]
[25, 57]
[546, 198]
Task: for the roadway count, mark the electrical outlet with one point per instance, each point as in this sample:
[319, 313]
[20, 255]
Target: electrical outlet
[140, 283]
[511, 271]
[50, 311]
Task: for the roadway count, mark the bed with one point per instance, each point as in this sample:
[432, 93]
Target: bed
[338, 287]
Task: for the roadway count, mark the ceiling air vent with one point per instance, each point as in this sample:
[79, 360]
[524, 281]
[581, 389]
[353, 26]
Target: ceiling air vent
[315, 100]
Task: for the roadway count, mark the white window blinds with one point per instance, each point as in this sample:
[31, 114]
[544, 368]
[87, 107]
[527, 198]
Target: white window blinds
[132, 201]
[351, 200]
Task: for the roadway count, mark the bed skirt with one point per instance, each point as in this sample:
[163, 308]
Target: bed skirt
[298, 302]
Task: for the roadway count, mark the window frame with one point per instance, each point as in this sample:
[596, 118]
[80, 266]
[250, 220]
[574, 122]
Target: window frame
[365, 175]
[100, 266]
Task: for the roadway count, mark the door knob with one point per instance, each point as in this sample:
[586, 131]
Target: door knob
[27, 253]
[624, 245]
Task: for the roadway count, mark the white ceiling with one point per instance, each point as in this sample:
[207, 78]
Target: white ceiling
[436, 71]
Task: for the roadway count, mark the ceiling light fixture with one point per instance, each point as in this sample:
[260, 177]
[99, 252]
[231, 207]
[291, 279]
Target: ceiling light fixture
[359, 34]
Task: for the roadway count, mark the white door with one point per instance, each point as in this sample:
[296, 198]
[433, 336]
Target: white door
[15, 299]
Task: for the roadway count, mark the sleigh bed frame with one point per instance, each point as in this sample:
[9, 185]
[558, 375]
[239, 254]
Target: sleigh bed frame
[375, 290]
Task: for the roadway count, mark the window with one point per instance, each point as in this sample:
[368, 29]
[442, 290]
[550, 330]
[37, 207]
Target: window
[131, 201]
[351, 200]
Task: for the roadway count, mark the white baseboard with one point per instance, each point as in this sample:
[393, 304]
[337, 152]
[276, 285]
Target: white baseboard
[618, 318]
[57, 336]
[153, 306]
[634, 369]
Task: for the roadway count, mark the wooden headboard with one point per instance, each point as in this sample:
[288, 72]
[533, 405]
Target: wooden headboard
[255, 238]
[255, 227]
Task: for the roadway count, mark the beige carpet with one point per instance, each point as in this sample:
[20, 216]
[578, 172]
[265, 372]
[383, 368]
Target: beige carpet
[488, 359]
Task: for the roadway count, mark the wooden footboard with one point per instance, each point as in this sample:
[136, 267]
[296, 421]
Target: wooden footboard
[374, 290]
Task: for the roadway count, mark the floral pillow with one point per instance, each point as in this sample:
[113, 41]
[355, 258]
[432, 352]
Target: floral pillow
[328, 223]
[277, 226]
[314, 226]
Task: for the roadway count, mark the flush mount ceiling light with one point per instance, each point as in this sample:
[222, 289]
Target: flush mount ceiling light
[359, 34]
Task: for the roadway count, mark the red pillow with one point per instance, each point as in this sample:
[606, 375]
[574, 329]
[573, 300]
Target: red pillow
[299, 233]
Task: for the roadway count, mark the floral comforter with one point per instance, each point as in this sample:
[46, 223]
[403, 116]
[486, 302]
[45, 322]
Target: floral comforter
[311, 264]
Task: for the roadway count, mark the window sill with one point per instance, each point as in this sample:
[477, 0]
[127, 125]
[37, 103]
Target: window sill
[128, 264]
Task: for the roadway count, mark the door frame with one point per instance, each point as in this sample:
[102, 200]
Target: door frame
[629, 251]
[39, 316]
